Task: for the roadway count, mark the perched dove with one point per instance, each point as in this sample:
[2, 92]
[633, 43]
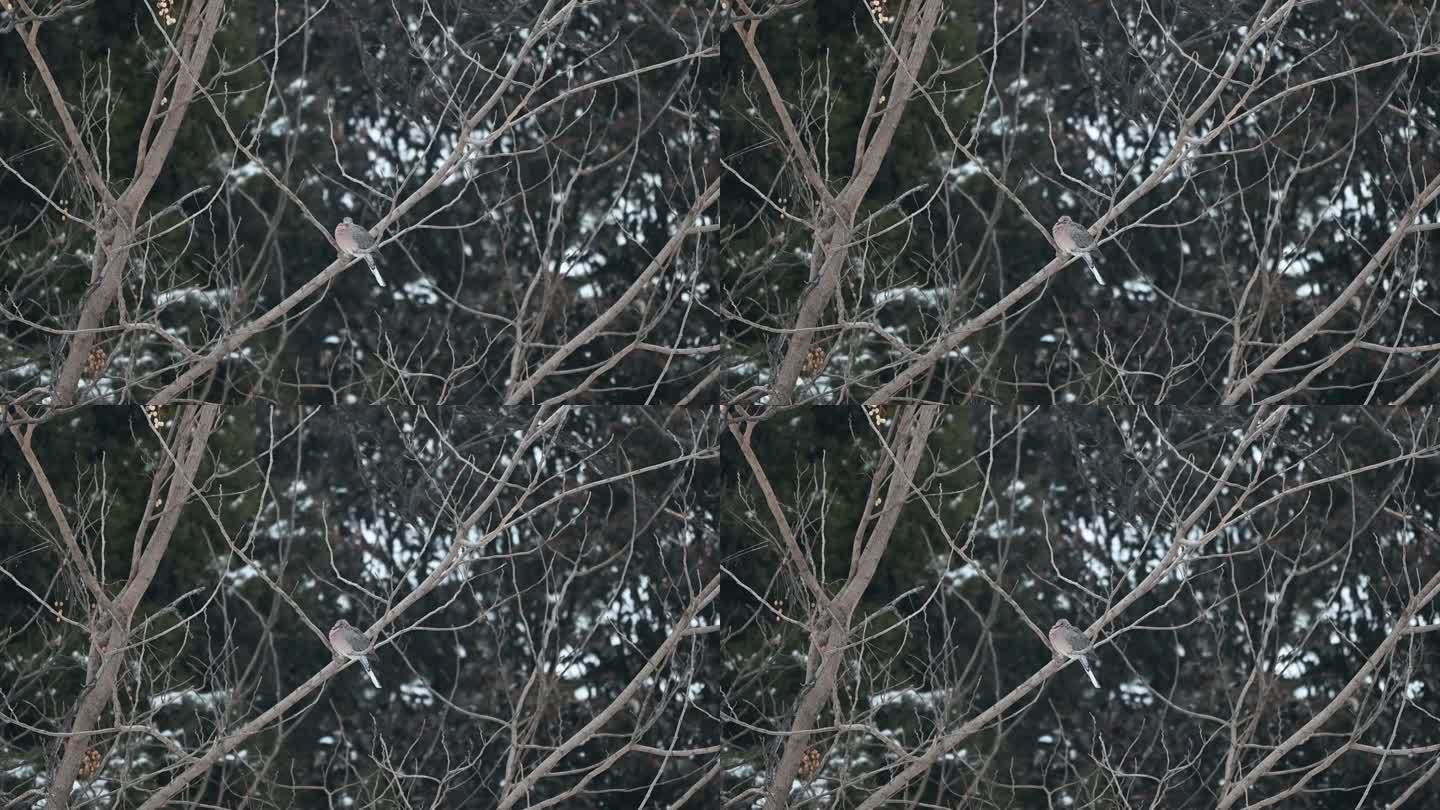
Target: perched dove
[357, 241]
[351, 643]
[1070, 642]
[1073, 239]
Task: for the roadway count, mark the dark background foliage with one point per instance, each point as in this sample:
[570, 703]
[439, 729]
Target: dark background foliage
[355, 108]
[1070, 105]
[1328, 530]
[346, 511]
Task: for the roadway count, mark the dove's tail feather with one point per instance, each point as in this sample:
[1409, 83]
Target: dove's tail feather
[365, 665]
[375, 271]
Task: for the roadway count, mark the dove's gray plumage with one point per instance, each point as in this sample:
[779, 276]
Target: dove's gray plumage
[1070, 642]
[1074, 239]
[349, 642]
[357, 241]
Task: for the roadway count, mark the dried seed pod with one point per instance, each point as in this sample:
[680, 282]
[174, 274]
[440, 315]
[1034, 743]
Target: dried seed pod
[809, 764]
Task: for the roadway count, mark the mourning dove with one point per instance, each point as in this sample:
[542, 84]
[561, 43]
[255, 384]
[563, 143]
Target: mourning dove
[1074, 239]
[357, 241]
[1070, 642]
[353, 644]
